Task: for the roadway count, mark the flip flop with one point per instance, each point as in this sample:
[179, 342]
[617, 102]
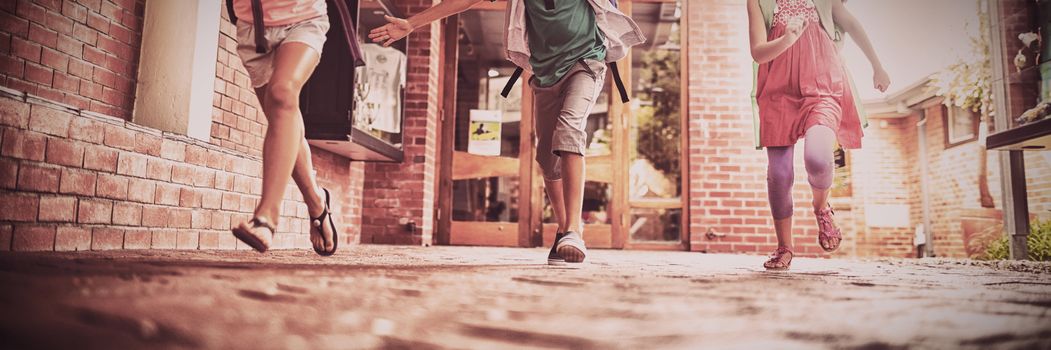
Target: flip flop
[317, 224]
[248, 236]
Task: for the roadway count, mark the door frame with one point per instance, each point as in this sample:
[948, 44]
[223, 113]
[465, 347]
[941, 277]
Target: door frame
[530, 229]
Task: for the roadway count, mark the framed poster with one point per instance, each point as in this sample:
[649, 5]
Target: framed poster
[485, 129]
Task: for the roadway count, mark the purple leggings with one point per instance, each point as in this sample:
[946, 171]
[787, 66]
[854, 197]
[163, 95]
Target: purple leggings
[780, 173]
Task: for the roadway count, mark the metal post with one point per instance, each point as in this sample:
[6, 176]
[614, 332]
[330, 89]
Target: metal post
[921, 130]
[1016, 205]
[1012, 163]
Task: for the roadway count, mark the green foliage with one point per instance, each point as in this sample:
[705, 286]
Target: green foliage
[658, 121]
[1039, 242]
[968, 82]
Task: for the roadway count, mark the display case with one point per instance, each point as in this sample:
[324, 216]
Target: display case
[1020, 29]
[357, 111]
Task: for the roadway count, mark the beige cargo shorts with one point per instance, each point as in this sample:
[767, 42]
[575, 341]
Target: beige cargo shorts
[561, 114]
[260, 66]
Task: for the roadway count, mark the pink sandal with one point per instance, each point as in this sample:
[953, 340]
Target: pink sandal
[778, 259]
[829, 235]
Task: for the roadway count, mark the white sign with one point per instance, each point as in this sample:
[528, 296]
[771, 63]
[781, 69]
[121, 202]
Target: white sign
[484, 137]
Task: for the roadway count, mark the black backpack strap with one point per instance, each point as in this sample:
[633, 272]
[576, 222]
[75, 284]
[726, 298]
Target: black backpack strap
[230, 11]
[257, 21]
[511, 82]
[613, 70]
[619, 82]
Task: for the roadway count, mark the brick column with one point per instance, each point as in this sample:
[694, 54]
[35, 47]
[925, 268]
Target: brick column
[407, 190]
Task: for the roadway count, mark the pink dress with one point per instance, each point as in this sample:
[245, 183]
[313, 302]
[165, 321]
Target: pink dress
[807, 85]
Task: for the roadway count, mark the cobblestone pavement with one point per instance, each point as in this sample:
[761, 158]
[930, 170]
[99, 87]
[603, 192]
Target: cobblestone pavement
[458, 297]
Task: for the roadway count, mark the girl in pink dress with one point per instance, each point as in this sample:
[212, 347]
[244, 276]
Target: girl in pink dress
[803, 91]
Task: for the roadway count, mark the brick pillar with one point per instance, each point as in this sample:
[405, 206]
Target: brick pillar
[407, 189]
[727, 175]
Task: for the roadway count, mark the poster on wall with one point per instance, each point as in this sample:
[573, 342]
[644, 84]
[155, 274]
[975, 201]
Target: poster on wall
[485, 131]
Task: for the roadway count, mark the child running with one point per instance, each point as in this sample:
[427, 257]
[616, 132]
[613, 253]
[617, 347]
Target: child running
[803, 91]
[564, 44]
[280, 43]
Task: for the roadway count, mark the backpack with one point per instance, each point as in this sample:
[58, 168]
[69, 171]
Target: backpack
[617, 80]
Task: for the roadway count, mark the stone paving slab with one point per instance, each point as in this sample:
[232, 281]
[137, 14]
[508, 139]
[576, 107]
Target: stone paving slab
[467, 297]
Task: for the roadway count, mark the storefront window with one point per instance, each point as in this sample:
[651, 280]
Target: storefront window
[379, 86]
[1022, 28]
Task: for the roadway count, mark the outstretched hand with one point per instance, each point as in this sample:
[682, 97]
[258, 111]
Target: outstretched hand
[394, 30]
[881, 80]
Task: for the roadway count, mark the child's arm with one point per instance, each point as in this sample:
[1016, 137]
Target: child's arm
[850, 25]
[764, 51]
[398, 28]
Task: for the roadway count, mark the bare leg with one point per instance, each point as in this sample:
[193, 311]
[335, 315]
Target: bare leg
[303, 176]
[783, 228]
[820, 143]
[573, 190]
[558, 204]
[293, 64]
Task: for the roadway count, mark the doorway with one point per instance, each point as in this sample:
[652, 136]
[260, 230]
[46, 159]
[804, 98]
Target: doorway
[490, 189]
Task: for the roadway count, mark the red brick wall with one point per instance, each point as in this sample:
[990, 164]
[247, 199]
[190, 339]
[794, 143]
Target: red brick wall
[1038, 183]
[884, 174]
[71, 179]
[727, 175]
[237, 120]
[893, 177]
[81, 53]
[407, 190]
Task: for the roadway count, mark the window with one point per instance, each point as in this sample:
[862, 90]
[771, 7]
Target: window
[961, 126]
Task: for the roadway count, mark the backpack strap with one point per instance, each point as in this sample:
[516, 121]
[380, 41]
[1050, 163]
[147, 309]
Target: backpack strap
[619, 82]
[612, 68]
[230, 11]
[511, 82]
[257, 21]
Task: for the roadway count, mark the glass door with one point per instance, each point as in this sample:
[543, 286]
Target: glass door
[654, 216]
[491, 160]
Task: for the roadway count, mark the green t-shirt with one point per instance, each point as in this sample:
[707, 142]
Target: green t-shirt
[559, 38]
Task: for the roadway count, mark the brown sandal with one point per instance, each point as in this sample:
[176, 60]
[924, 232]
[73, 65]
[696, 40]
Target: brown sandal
[777, 260]
[829, 236]
[248, 234]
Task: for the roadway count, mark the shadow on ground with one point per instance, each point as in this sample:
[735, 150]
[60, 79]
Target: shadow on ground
[458, 297]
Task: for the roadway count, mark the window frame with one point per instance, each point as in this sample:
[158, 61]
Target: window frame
[949, 115]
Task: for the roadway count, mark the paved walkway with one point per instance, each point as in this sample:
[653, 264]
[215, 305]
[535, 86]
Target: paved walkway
[455, 297]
